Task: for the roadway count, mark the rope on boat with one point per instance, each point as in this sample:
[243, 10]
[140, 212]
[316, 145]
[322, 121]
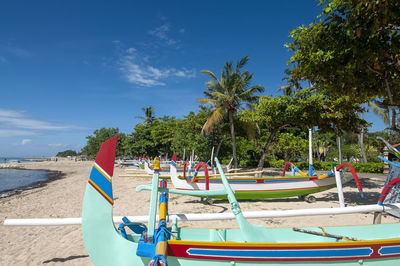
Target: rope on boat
[387, 188]
[326, 234]
[159, 260]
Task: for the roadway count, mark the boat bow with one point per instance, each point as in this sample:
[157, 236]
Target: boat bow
[103, 242]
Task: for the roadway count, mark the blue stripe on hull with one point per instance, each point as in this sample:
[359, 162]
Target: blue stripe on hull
[284, 254]
[395, 250]
[102, 182]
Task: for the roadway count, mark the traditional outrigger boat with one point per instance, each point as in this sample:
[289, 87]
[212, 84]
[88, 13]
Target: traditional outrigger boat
[181, 167]
[377, 244]
[251, 187]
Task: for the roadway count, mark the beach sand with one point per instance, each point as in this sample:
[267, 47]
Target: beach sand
[63, 245]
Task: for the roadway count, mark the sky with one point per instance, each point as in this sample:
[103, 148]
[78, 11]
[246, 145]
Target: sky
[68, 68]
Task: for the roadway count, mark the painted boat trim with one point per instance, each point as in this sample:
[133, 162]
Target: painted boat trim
[332, 251]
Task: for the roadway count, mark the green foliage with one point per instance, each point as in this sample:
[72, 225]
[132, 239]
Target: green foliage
[277, 164]
[353, 50]
[376, 168]
[248, 155]
[304, 109]
[67, 153]
[101, 135]
[148, 117]
[290, 146]
[140, 141]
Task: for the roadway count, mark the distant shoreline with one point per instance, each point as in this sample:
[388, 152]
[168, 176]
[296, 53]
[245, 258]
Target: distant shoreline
[51, 175]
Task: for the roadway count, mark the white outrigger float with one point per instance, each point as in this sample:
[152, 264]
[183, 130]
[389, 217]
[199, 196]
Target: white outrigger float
[377, 244]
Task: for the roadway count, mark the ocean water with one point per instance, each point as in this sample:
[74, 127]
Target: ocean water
[13, 179]
[13, 160]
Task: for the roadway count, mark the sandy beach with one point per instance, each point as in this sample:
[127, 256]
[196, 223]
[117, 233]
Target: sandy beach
[63, 245]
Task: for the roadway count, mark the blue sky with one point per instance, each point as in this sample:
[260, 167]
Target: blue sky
[70, 67]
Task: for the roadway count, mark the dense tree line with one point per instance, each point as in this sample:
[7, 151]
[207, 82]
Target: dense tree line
[167, 135]
[67, 153]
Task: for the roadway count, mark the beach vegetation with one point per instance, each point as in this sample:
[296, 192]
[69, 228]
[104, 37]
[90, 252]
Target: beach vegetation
[66, 153]
[305, 109]
[99, 136]
[353, 49]
[148, 117]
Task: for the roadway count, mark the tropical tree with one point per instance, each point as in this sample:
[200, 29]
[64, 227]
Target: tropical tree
[66, 153]
[99, 136]
[148, 115]
[227, 94]
[291, 145]
[304, 110]
[354, 50]
[293, 83]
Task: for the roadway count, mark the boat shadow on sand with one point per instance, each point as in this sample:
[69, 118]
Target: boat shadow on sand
[65, 259]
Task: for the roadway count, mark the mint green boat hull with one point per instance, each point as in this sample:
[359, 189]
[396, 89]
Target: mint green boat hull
[249, 245]
[106, 246]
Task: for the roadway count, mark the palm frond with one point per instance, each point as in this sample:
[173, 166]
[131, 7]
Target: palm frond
[252, 129]
[215, 118]
[242, 62]
[247, 93]
[384, 114]
[210, 73]
[205, 101]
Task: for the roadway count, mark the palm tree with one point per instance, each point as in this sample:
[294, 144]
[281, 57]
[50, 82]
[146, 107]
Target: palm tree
[227, 94]
[149, 115]
[293, 83]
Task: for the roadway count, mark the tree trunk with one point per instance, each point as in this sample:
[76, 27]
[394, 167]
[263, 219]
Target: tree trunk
[261, 161]
[393, 124]
[230, 115]
[218, 148]
[317, 151]
[264, 151]
[361, 141]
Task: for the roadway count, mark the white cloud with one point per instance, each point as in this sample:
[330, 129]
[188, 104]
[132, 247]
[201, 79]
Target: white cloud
[162, 34]
[15, 132]
[25, 141]
[17, 123]
[138, 70]
[17, 119]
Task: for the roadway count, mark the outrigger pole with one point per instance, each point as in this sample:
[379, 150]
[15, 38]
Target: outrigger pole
[214, 216]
